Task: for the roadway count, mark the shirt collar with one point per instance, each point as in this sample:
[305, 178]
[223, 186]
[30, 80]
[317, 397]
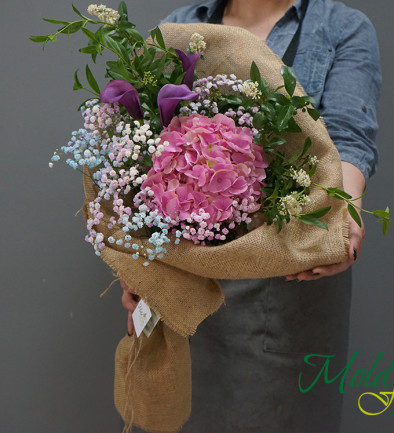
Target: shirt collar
[297, 6]
[209, 7]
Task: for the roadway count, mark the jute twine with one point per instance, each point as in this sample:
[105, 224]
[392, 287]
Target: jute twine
[153, 375]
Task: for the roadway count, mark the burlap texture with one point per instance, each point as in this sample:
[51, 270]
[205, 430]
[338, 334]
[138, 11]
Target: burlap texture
[182, 286]
[153, 380]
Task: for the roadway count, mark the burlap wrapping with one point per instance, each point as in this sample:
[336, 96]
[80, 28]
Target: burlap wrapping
[152, 389]
[153, 380]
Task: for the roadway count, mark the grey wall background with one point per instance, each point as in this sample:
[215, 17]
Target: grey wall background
[57, 336]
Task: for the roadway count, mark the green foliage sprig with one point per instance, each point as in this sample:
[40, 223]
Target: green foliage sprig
[136, 59]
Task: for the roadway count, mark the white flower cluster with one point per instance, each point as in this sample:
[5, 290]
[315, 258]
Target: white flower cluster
[293, 203]
[108, 15]
[251, 89]
[142, 138]
[312, 160]
[159, 147]
[197, 44]
[301, 177]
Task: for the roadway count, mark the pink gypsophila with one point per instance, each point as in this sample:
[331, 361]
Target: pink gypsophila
[210, 167]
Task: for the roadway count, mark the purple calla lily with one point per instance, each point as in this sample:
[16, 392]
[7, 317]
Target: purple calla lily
[189, 64]
[123, 92]
[169, 97]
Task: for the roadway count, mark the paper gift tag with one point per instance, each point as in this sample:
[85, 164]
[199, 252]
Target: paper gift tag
[151, 324]
[141, 316]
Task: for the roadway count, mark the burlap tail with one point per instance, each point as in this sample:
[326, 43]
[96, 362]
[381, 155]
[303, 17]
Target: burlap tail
[153, 381]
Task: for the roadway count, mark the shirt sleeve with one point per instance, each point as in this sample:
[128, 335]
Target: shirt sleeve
[184, 14]
[351, 93]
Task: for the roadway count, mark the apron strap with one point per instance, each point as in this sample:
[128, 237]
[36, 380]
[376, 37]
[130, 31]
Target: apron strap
[289, 56]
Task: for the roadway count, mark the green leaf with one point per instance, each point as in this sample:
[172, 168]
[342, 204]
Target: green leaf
[312, 171]
[72, 28]
[156, 34]
[385, 226]
[90, 49]
[134, 34]
[281, 99]
[381, 214]
[114, 75]
[312, 221]
[354, 214]
[319, 212]
[55, 21]
[77, 12]
[91, 80]
[264, 87]
[279, 221]
[301, 101]
[122, 9]
[255, 73]
[117, 47]
[52, 37]
[284, 115]
[258, 138]
[289, 79]
[118, 68]
[258, 120]
[276, 141]
[90, 34]
[315, 114]
[159, 65]
[77, 83]
[147, 161]
[100, 35]
[293, 126]
[338, 193]
[179, 79]
[39, 39]
[307, 145]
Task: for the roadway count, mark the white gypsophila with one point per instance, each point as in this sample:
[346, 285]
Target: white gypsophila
[197, 44]
[251, 89]
[108, 15]
[301, 177]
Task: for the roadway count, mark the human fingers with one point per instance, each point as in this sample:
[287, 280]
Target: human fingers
[128, 301]
[305, 275]
[321, 271]
[130, 324]
[356, 238]
[336, 268]
[125, 287]
[128, 289]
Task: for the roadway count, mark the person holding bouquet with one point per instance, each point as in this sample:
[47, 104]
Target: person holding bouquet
[248, 356]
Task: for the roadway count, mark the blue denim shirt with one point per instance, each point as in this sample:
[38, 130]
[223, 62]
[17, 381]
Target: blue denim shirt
[337, 63]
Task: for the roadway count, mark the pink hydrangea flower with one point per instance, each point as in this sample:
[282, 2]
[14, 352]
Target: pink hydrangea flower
[210, 172]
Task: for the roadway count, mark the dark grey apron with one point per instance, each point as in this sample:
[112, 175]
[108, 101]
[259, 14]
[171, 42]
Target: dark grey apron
[247, 357]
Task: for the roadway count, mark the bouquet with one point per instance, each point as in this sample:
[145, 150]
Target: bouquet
[194, 160]
[195, 175]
